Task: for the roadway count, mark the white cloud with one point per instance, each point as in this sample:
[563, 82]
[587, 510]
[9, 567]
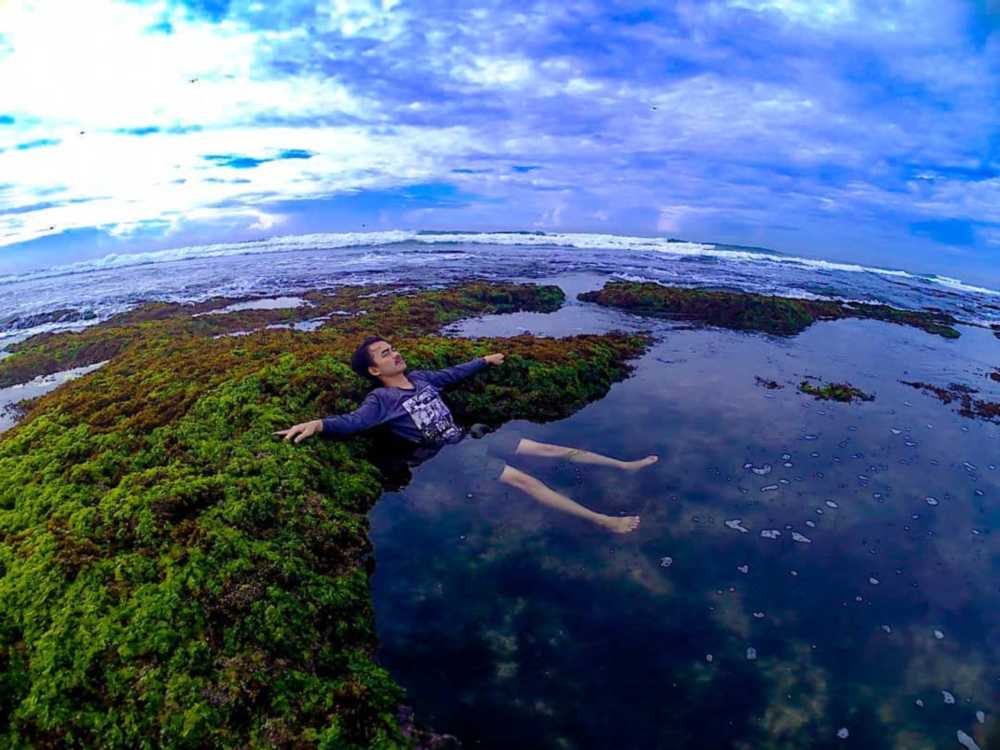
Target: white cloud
[139, 175]
[100, 66]
[811, 12]
[496, 71]
[977, 200]
[377, 19]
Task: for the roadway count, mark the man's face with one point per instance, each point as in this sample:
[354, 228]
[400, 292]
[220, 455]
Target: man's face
[387, 360]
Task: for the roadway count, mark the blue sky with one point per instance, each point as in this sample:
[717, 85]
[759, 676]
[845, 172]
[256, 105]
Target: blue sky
[843, 130]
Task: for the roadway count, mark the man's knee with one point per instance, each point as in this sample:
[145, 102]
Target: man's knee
[535, 448]
[516, 477]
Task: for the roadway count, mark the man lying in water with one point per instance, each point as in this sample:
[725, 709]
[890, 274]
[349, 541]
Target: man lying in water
[413, 409]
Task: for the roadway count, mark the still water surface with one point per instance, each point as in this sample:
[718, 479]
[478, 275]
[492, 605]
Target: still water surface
[806, 573]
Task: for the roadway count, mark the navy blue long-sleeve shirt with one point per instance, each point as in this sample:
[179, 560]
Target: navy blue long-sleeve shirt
[417, 414]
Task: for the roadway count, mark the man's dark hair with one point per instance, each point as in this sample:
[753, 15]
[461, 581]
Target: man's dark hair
[362, 360]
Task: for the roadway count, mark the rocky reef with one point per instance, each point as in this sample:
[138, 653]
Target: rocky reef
[174, 575]
[747, 311]
[969, 407]
[835, 392]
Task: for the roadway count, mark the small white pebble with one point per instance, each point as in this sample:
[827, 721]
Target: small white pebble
[743, 568]
[980, 717]
[843, 733]
[886, 628]
[873, 581]
[966, 741]
[666, 562]
[948, 697]
[938, 634]
[919, 702]
[709, 658]
[751, 653]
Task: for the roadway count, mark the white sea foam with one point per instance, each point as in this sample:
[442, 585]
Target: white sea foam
[334, 241]
[957, 284]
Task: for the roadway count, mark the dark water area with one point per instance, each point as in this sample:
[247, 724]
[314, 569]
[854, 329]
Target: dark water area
[806, 573]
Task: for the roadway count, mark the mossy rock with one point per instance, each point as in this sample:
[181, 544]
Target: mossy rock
[174, 575]
[969, 407]
[844, 392]
[748, 311]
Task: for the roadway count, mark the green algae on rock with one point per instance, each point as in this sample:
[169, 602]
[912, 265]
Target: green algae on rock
[969, 407]
[835, 392]
[175, 576]
[52, 352]
[748, 311]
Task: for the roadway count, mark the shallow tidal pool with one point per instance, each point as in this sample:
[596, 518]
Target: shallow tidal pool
[806, 573]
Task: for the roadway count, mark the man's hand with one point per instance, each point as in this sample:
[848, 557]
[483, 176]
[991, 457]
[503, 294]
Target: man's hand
[301, 431]
[494, 359]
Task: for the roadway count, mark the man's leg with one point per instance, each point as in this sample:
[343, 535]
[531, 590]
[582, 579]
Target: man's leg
[534, 448]
[551, 498]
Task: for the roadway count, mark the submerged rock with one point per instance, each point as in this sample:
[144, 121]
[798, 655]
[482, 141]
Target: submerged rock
[769, 384]
[969, 407]
[966, 741]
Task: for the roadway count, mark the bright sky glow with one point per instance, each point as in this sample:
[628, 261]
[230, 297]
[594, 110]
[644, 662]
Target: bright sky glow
[833, 129]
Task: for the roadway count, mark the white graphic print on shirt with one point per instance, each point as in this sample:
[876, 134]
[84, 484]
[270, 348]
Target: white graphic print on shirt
[431, 416]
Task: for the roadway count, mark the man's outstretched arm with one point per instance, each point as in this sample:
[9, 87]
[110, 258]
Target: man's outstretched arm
[451, 375]
[369, 414]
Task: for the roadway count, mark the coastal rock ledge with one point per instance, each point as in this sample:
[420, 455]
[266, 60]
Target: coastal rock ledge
[174, 576]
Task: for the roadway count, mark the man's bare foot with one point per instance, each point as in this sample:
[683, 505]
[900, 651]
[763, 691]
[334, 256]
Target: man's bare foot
[620, 524]
[641, 463]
